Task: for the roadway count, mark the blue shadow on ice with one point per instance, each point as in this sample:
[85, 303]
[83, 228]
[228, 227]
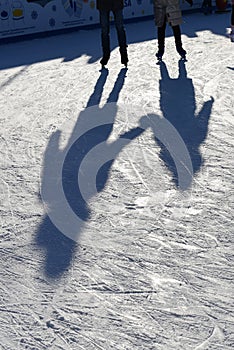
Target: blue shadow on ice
[178, 105]
[60, 249]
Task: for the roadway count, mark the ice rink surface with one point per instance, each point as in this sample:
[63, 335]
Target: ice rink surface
[151, 266]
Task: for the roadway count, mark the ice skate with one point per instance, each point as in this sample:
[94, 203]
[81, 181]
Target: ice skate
[159, 55]
[182, 53]
[124, 56]
[104, 60]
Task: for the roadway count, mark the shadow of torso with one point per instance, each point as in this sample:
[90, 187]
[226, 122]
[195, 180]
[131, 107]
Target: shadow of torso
[178, 105]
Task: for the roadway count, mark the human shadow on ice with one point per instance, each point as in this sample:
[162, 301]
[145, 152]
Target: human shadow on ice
[196, 22]
[68, 175]
[178, 105]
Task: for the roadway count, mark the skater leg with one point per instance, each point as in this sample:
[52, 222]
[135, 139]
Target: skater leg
[161, 39]
[178, 42]
[210, 6]
[105, 36]
[207, 7]
[232, 15]
[232, 23]
[121, 34]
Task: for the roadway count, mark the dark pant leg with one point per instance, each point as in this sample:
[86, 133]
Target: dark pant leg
[121, 34]
[207, 3]
[105, 33]
[161, 37]
[232, 16]
[207, 6]
[178, 42]
[119, 25]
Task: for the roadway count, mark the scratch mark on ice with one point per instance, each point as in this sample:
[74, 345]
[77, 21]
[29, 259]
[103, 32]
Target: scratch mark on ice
[216, 333]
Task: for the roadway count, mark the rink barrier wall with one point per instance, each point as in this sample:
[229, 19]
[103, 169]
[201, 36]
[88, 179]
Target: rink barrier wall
[26, 19]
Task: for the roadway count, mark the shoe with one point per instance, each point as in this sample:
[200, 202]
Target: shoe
[159, 55]
[104, 60]
[182, 52]
[124, 57]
